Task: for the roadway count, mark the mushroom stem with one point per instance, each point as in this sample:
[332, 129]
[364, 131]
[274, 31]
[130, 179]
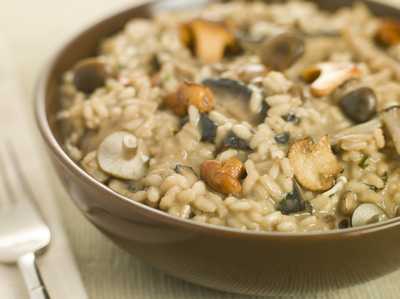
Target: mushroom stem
[391, 119]
[326, 77]
[340, 182]
[363, 128]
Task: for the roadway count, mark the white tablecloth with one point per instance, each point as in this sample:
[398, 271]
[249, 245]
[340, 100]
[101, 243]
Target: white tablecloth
[34, 29]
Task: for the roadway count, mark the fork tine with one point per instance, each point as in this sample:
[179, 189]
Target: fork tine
[5, 181]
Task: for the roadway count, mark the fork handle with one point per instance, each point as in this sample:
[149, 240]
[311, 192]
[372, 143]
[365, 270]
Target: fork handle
[31, 275]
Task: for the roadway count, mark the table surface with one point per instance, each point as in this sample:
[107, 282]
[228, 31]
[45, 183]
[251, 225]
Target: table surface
[34, 29]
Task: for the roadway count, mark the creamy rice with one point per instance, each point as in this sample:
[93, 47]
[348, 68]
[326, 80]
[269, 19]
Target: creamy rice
[265, 117]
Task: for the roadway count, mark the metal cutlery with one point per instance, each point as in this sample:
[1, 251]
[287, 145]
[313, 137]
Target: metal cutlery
[23, 232]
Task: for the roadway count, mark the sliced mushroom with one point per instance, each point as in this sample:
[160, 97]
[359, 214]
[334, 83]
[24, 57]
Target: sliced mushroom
[293, 202]
[291, 118]
[187, 94]
[122, 155]
[89, 74]
[235, 142]
[391, 119]
[388, 33]
[263, 113]
[282, 51]
[314, 164]
[208, 128]
[223, 176]
[344, 223]
[207, 39]
[367, 213]
[359, 105]
[326, 77]
[229, 86]
[282, 138]
[232, 98]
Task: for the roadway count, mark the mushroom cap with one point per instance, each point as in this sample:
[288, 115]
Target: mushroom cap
[282, 51]
[367, 213]
[314, 164]
[120, 161]
[89, 74]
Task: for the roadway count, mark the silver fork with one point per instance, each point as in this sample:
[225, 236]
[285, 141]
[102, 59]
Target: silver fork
[23, 232]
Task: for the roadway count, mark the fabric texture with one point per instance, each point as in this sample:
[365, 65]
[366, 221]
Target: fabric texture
[57, 264]
[107, 271]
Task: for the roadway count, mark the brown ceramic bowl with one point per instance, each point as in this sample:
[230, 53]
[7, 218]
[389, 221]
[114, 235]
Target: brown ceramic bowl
[216, 257]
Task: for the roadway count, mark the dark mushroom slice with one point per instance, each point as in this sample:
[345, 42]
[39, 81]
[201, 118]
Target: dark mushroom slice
[391, 120]
[388, 33]
[183, 120]
[359, 105]
[89, 74]
[208, 128]
[232, 99]
[282, 138]
[282, 51]
[293, 202]
[233, 87]
[263, 113]
[235, 142]
[344, 223]
[291, 118]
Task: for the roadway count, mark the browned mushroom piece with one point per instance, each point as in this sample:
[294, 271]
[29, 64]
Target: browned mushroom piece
[388, 33]
[282, 51]
[326, 77]
[315, 165]
[187, 94]
[223, 176]
[89, 74]
[208, 40]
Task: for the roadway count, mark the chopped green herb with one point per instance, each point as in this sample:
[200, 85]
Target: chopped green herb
[167, 77]
[373, 188]
[364, 162]
[376, 189]
[282, 138]
[385, 177]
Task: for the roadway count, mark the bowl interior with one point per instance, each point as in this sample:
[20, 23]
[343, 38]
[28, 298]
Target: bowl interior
[85, 45]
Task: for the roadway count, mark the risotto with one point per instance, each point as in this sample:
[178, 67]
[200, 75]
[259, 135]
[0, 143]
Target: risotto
[256, 116]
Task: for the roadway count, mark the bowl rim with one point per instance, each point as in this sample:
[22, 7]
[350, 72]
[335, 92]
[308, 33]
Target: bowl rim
[51, 142]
